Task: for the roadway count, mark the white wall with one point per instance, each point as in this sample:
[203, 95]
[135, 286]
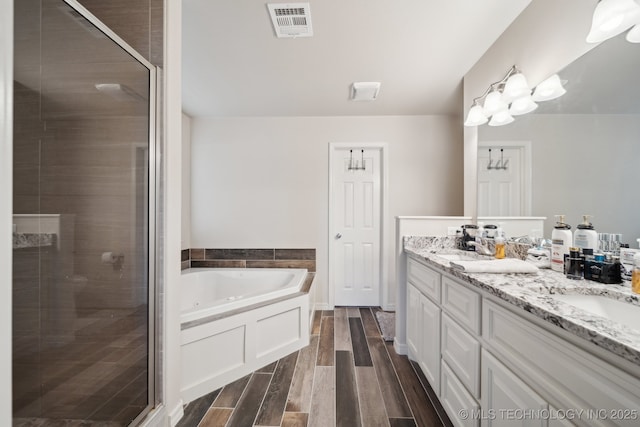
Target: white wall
[6, 206]
[186, 181]
[548, 35]
[263, 182]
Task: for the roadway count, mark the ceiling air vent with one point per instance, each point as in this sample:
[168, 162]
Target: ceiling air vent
[291, 19]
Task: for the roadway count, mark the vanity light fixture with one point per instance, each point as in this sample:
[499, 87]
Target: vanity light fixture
[613, 17]
[510, 97]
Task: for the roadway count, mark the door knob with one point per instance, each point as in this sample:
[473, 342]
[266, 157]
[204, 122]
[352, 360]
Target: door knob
[338, 236]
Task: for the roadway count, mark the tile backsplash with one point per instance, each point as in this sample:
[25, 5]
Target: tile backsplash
[248, 258]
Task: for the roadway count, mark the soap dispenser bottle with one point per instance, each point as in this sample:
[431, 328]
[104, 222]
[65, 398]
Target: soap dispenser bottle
[561, 239]
[585, 236]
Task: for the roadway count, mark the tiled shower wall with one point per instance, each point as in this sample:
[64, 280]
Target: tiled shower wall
[249, 258]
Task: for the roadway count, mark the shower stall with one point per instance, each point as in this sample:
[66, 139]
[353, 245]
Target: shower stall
[84, 221]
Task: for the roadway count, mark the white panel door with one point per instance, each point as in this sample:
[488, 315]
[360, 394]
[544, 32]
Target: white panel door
[502, 191]
[356, 235]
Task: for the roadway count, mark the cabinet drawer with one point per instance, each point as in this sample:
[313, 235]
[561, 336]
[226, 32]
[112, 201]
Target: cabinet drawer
[503, 390]
[454, 398]
[576, 378]
[461, 351]
[425, 279]
[461, 303]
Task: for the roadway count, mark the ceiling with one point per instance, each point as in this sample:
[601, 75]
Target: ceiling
[233, 64]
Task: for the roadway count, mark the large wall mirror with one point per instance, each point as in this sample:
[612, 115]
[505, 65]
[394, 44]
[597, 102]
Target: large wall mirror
[583, 148]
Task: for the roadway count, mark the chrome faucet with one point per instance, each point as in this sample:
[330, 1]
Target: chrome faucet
[481, 249]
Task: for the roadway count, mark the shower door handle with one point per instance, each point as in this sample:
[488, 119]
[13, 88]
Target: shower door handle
[338, 236]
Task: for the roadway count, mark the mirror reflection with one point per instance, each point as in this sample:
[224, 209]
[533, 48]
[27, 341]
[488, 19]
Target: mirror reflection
[574, 155]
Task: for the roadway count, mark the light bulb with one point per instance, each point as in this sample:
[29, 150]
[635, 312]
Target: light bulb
[493, 102]
[515, 87]
[551, 88]
[476, 116]
[610, 18]
[522, 105]
[633, 35]
[501, 118]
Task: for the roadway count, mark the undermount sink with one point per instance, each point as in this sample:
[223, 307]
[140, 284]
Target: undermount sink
[618, 311]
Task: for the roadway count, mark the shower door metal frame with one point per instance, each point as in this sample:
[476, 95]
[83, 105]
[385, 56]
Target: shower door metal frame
[153, 350]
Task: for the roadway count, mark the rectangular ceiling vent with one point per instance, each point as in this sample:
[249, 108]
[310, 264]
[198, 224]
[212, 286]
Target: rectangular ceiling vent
[291, 19]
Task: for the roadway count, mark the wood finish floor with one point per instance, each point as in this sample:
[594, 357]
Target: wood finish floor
[347, 377]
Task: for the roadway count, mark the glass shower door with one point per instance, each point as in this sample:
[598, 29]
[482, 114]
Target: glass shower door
[83, 184]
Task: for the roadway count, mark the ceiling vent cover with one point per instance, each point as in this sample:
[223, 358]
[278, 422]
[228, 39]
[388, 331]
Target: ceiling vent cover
[291, 19]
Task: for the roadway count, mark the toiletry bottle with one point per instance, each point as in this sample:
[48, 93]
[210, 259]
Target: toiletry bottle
[500, 251]
[585, 236]
[611, 270]
[574, 264]
[561, 239]
[635, 275]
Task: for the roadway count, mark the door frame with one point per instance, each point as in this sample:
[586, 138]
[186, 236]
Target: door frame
[383, 148]
[526, 180]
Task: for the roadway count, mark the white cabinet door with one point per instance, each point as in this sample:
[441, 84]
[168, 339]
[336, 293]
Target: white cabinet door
[429, 353]
[503, 393]
[413, 321]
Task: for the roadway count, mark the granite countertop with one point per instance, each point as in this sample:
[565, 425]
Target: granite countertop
[531, 293]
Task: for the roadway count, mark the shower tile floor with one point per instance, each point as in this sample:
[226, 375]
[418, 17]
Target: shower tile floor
[348, 376]
[98, 378]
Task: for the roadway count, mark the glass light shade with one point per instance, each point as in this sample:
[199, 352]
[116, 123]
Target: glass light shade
[633, 35]
[610, 18]
[501, 118]
[522, 105]
[551, 88]
[516, 87]
[494, 103]
[476, 116]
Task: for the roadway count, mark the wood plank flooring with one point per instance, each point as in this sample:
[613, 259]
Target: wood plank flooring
[347, 376]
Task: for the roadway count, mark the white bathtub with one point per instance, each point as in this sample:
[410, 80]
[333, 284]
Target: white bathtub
[235, 321]
[209, 291]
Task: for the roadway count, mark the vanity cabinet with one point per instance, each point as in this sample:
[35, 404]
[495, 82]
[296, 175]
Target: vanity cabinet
[484, 356]
[443, 317]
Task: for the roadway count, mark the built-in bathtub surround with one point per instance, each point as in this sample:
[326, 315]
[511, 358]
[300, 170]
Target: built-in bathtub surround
[256, 315]
[249, 258]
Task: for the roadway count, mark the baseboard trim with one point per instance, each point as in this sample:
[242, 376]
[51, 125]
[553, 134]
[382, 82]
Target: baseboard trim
[177, 414]
[156, 418]
[323, 307]
[400, 348]
[389, 307]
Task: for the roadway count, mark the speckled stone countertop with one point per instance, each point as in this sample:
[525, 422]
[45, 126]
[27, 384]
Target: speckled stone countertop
[532, 293]
[32, 240]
